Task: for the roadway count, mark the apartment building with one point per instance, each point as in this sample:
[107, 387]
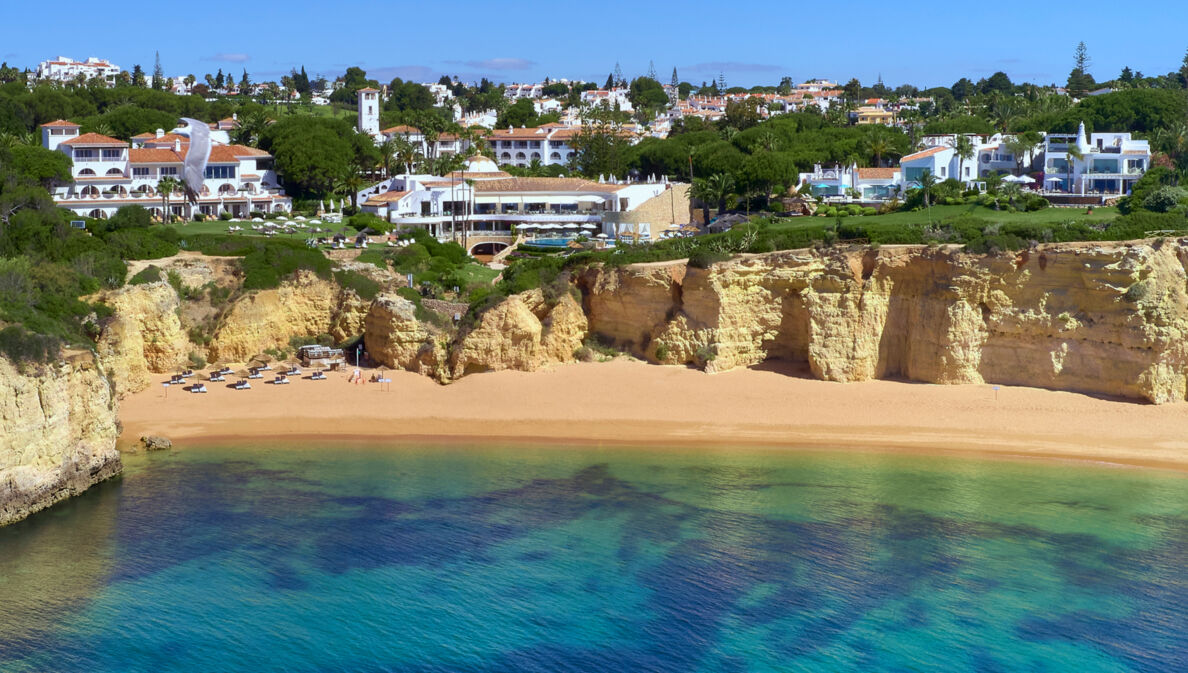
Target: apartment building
[109, 173]
[66, 69]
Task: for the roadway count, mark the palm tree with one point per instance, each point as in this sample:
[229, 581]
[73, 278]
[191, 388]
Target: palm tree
[350, 182]
[767, 140]
[251, 127]
[878, 145]
[963, 147]
[1074, 152]
[701, 192]
[720, 186]
[406, 153]
[166, 187]
[1019, 147]
[387, 151]
[927, 183]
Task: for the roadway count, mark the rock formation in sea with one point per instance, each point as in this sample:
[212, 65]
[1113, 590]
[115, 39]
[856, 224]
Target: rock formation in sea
[57, 432]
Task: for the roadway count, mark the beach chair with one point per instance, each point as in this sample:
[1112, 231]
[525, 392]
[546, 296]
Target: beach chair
[255, 374]
[214, 378]
[280, 380]
[198, 388]
[242, 384]
[318, 376]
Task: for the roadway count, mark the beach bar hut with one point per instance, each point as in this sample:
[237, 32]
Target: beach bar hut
[321, 356]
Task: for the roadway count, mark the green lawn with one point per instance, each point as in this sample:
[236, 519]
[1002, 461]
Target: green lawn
[940, 214]
[220, 227]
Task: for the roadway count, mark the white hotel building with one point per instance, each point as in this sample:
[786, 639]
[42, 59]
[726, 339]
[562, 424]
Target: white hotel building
[109, 173]
[66, 69]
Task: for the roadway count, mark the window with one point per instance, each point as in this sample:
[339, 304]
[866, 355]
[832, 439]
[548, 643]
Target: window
[942, 171]
[168, 170]
[112, 155]
[220, 172]
[86, 173]
[84, 155]
[140, 172]
[115, 172]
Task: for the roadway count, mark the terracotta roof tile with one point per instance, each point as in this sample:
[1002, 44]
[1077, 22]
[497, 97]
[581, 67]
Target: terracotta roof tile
[877, 173]
[94, 139]
[386, 197]
[544, 185]
[925, 153]
[61, 123]
[153, 156]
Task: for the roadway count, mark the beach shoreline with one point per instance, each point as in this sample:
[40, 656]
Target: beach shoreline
[629, 403]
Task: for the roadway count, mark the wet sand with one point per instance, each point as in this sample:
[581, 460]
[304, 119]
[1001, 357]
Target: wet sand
[625, 402]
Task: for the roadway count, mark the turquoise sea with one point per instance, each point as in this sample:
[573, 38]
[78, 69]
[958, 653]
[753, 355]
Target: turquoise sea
[556, 559]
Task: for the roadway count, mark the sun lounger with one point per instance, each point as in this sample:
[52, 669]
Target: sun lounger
[217, 377]
[243, 385]
[318, 376]
[198, 388]
[280, 380]
[255, 375]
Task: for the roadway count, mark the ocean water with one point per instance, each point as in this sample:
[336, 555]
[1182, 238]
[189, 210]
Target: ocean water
[554, 559]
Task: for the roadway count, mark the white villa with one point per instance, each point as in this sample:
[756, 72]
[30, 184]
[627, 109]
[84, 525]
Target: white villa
[1110, 163]
[110, 173]
[493, 208]
[66, 69]
[548, 144]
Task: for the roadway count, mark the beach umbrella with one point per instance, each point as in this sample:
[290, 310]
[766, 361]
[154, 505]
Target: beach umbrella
[589, 226]
[300, 218]
[601, 236]
[322, 206]
[1026, 179]
[315, 221]
[527, 226]
[257, 219]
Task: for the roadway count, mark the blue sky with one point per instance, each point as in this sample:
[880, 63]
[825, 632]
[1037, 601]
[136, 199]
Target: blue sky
[926, 42]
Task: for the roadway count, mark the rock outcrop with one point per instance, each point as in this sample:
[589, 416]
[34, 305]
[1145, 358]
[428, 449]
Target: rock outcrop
[524, 332]
[144, 335]
[1099, 318]
[396, 339]
[304, 306]
[57, 433]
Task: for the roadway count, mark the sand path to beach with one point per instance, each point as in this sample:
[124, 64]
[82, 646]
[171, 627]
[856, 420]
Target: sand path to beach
[629, 402]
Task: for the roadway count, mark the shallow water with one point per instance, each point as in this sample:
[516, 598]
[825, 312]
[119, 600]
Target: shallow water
[546, 559]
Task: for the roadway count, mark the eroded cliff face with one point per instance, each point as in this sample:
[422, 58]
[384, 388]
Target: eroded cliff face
[1107, 319]
[57, 433]
[143, 337]
[525, 332]
[304, 306]
[396, 339]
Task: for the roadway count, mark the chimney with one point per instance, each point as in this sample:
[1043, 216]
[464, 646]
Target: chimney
[235, 116]
[160, 132]
[177, 145]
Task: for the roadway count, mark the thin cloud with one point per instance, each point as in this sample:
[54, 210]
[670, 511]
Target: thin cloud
[732, 66]
[228, 57]
[497, 64]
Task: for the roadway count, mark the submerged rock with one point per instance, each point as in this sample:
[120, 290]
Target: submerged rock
[155, 443]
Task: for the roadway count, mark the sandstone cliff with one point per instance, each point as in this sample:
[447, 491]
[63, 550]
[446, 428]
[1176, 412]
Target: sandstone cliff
[57, 433]
[304, 306]
[396, 339]
[1107, 319]
[143, 337]
[524, 332]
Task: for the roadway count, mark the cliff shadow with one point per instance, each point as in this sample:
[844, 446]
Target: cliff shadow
[791, 342]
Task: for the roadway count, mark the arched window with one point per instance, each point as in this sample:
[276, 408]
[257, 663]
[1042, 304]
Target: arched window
[519, 156]
[506, 156]
[555, 156]
[536, 156]
[86, 173]
[115, 171]
[226, 188]
[97, 214]
[90, 192]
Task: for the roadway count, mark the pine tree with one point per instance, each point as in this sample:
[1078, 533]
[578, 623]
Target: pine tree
[158, 73]
[676, 81]
[1079, 80]
[1184, 71]
[138, 76]
[652, 71]
[610, 81]
[721, 82]
[619, 81]
[219, 79]
[245, 82]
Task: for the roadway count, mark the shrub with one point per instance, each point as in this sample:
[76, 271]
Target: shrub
[22, 346]
[706, 258]
[225, 216]
[149, 274]
[661, 352]
[196, 360]
[363, 286]
[1164, 199]
[1137, 292]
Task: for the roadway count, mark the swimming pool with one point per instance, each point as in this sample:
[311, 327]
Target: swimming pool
[550, 242]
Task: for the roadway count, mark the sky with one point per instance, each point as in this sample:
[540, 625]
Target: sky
[925, 42]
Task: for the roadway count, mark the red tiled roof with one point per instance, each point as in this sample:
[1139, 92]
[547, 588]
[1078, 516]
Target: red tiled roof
[386, 197]
[94, 139]
[401, 128]
[61, 123]
[877, 173]
[926, 153]
[153, 156]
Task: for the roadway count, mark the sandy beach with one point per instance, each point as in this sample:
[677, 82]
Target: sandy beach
[628, 402]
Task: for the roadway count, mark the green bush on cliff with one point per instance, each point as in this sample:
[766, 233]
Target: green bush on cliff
[149, 274]
[20, 345]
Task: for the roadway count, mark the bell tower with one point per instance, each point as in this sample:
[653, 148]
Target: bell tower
[369, 111]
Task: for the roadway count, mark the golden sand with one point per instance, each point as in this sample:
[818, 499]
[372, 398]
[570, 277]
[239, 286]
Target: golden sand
[629, 402]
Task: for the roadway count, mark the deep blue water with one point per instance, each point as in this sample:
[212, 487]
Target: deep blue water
[577, 559]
